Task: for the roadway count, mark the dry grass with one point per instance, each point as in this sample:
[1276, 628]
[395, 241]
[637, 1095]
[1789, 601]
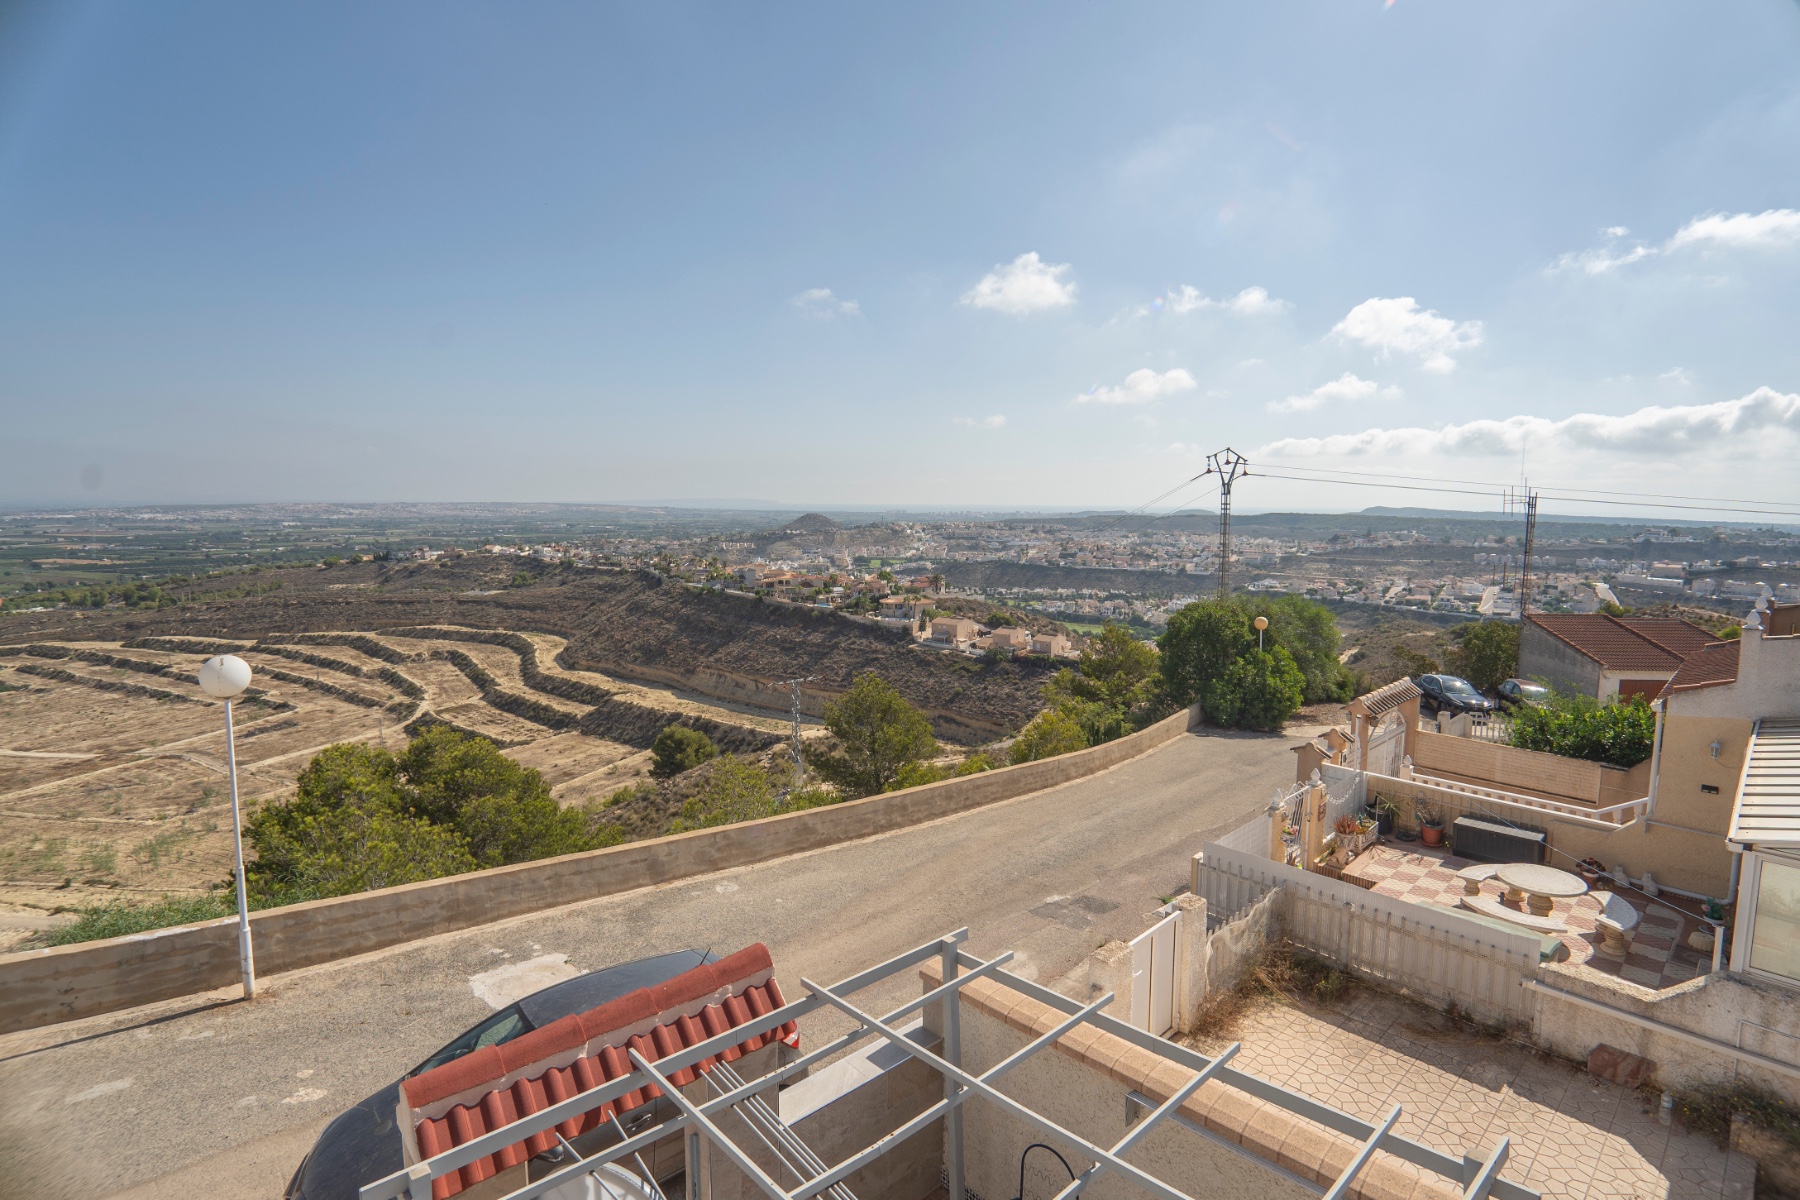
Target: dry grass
[1283, 975]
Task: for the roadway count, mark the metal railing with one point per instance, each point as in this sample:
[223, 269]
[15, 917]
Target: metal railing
[1611, 817]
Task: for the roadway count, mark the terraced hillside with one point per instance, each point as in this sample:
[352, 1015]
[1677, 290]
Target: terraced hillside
[114, 787]
[112, 770]
[626, 625]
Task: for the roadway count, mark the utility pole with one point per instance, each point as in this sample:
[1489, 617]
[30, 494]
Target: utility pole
[1229, 466]
[1524, 499]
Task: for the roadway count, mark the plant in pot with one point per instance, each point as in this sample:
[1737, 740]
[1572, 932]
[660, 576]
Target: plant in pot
[1386, 809]
[1431, 822]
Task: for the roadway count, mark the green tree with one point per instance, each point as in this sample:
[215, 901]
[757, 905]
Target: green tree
[347, 829]
[678, 748]
[1308, 631]
[1487, 653]
[1050, 733]
[1201, 644]
[505, 811]
[876, 734]
[1261, 690]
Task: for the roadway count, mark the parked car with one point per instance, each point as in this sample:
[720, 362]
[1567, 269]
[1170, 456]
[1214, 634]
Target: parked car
[363, 1144]
[1451, 694]
[1521, 691]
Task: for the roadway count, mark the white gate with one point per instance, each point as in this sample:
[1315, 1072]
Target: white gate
[1387, 746]
[1153, 972]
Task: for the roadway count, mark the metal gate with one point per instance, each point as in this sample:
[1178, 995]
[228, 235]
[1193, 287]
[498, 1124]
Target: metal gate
[1153, 974]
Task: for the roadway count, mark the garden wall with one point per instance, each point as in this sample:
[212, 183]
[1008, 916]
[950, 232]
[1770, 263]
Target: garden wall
[63, 983]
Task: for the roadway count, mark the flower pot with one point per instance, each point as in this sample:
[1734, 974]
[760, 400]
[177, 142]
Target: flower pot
[1431, 835]
[1384, 823]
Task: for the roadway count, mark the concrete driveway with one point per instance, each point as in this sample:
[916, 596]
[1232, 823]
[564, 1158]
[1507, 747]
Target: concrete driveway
[212, 1097]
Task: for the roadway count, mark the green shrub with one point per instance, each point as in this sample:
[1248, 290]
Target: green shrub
[678, 748]
[1487, 653]
[362, 819]
[734, 791]
[1620, 735]
[1261, 690]
[114, 919]
[1050, 733]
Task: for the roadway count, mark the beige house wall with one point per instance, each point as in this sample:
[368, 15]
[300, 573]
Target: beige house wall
[1688, 766]
[1532, 772]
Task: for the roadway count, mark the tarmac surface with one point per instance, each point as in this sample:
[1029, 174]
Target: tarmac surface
[209, 1096]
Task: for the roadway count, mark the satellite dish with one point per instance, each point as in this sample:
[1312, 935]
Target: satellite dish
[224, 676]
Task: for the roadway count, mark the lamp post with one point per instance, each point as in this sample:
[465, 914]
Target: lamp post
[225, 676]
[1261, 624]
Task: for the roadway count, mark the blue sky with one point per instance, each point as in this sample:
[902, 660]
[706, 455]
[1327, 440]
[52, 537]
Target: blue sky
[928, 254]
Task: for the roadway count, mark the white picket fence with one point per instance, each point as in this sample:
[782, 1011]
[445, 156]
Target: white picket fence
[1425, 950]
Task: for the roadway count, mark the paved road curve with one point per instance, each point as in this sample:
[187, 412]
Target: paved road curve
[189, 1100]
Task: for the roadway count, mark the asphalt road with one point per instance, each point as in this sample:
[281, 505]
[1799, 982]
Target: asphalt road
[214, 1097]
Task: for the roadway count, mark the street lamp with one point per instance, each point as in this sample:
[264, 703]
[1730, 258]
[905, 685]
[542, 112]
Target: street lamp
[1261, 624]
[225, 676]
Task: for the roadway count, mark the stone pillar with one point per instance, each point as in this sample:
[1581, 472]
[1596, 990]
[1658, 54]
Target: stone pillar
[1312, 824]
[1191, 953]
[1109, 970]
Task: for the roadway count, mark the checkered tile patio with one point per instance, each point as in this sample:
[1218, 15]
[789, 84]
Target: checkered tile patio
[1659, 956]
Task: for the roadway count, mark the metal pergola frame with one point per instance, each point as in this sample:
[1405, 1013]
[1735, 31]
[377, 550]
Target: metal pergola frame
[1478, 1178]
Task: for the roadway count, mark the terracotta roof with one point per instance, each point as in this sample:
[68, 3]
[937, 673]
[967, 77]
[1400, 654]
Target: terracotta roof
[1707, 667]
[1671, 633]
[479, 1092]
[1621, 645]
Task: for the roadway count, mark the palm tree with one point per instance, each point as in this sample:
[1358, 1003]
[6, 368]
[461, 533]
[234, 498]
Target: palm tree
[937, 584]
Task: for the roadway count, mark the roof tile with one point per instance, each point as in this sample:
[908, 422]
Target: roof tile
[1633, 644]
[739, 987]
[1707, 667]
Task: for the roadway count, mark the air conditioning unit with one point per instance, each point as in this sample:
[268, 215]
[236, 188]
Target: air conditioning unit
[1486, 841]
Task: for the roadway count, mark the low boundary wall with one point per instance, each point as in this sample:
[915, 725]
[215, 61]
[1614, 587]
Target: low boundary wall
[63, 983]
[1424, 950]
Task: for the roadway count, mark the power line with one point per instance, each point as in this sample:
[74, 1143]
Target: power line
[1566, 493]
[1376, 481]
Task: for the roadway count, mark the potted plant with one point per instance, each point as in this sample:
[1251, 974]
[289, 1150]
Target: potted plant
[1386, 809]
[1431, 822]
[1591, 869]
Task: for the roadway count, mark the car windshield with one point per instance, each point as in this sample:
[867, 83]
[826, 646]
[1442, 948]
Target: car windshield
[1458, 687]
[503, 1026]
[1533, 690]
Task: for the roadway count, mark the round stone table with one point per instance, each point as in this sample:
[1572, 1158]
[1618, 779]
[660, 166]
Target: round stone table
[1538, 885]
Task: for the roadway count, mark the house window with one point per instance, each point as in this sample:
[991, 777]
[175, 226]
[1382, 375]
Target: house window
[1775, 936]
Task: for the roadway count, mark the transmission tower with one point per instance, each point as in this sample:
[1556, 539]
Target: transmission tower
[793, 686]
[1523, 499]
[1229, 466]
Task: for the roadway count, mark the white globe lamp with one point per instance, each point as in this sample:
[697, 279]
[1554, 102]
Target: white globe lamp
[1261, 624]
[224, 677]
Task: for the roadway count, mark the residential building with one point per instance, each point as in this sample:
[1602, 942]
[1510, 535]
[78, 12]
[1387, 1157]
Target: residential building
[904, 610]
[1017, 641]
[954, 631]
[1592, 654]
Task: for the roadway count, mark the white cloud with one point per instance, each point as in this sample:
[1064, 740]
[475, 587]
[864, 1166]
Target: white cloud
[1255, 302]
[1767, 230]
[1676, 375]
[1251, 302]
[993, 422]
[1772, 227]
[1142, 386]
[1653, 429]
[1027, 284]
[1400, 326]
[1345, 389]
[820, 303]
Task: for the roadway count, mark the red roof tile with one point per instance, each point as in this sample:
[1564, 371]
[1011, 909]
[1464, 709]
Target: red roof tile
[1707, 667]
[1617, 645]
[473, 1095]
[1671, 633]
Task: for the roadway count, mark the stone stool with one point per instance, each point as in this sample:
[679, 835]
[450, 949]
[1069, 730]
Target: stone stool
[1472, 877]
[1616, 921]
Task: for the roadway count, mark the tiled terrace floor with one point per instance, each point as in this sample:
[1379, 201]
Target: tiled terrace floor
[1659, 956]
[1574, 1137]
